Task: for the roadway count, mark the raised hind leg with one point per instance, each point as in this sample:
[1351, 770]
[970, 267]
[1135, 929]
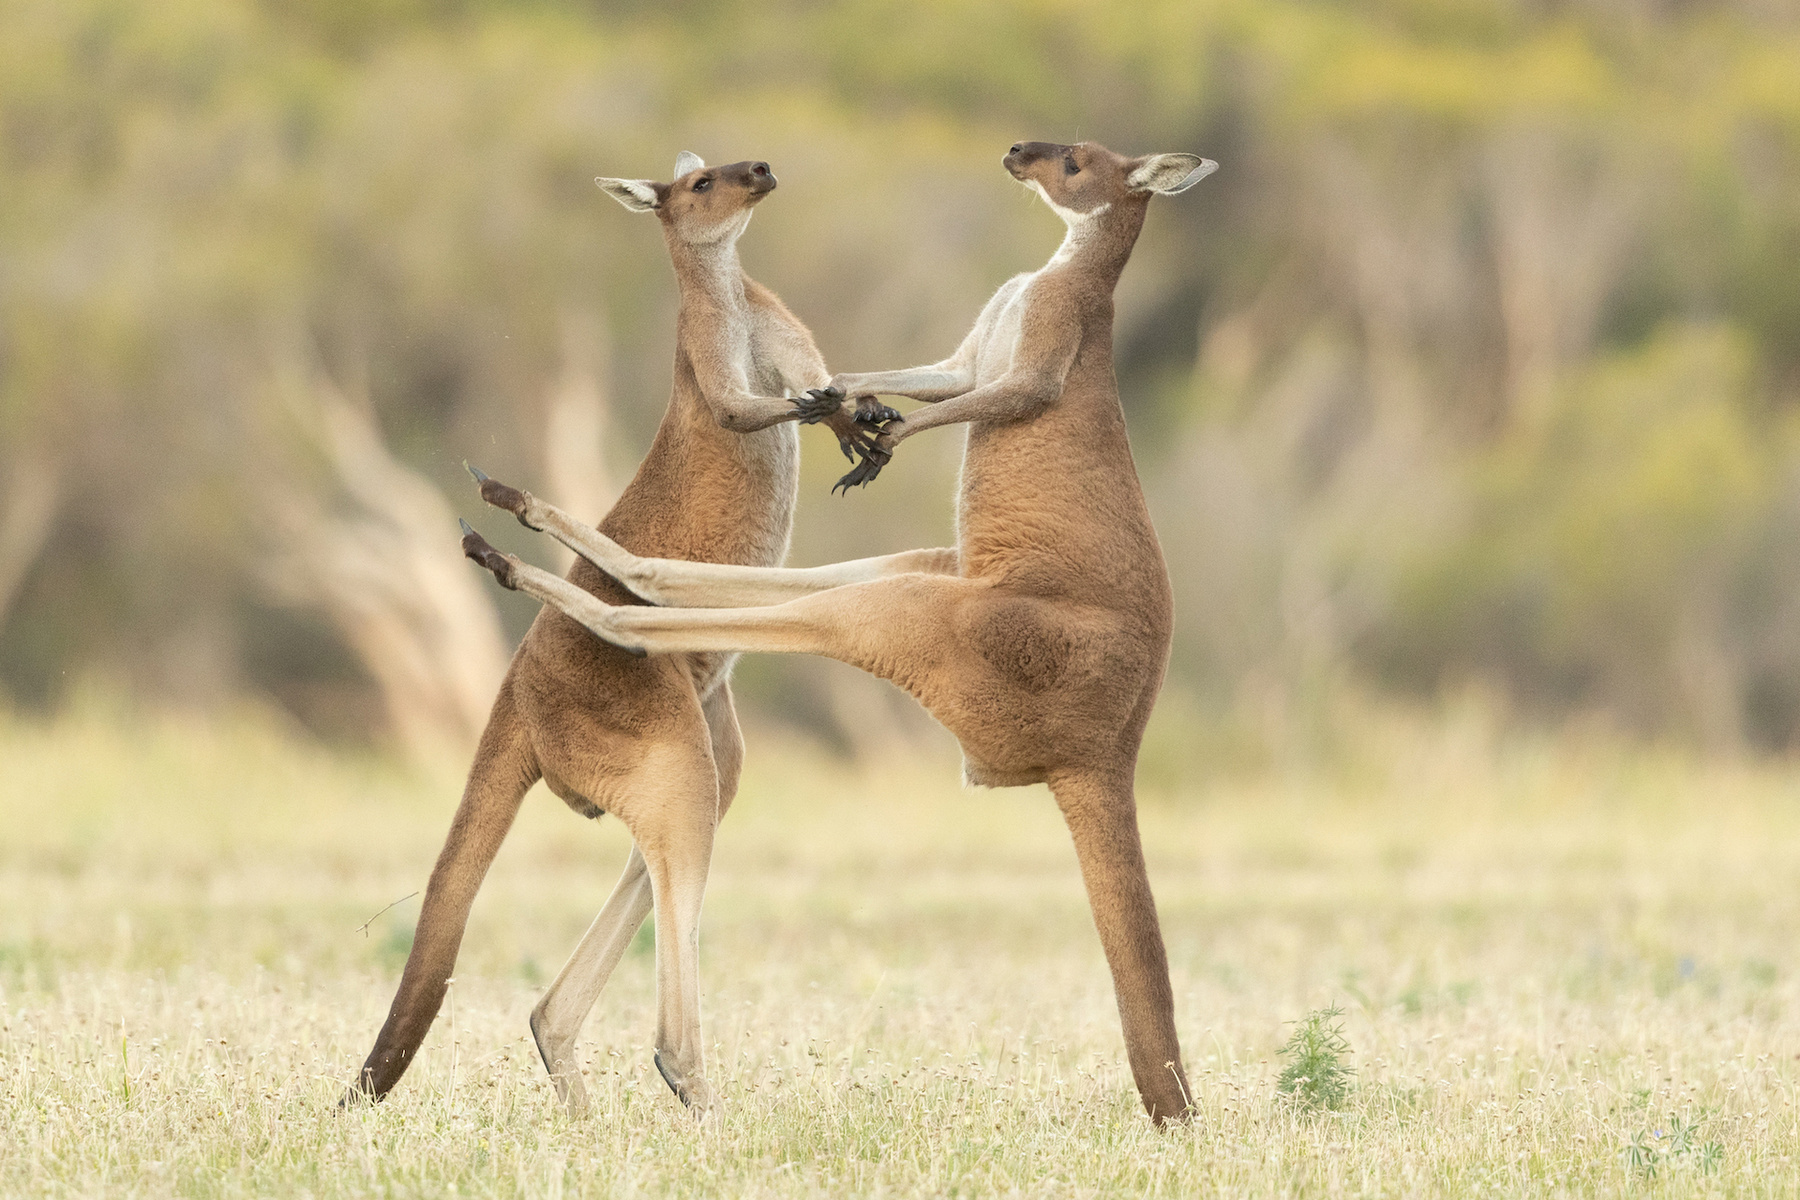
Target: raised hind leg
[690, 584]
[895, 627]
[556, 1021]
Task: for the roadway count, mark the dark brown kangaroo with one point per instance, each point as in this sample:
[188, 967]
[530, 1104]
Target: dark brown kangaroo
[1040, 640]
[656, 740]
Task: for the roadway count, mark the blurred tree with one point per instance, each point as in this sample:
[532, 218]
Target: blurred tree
[1476, 360]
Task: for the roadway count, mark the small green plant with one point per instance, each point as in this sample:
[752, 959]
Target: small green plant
[1316, 1077]
[1678, 1141]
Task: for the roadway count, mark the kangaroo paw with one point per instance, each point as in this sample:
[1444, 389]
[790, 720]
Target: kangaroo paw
[874, 458]
[817, 404]
[870, 411]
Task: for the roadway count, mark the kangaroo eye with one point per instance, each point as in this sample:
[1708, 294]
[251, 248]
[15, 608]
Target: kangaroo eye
[700, 185]
[1069, 167]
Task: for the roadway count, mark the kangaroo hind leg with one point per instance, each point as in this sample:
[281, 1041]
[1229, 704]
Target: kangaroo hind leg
[1101, 813]
[504, 769]
[556, 1021]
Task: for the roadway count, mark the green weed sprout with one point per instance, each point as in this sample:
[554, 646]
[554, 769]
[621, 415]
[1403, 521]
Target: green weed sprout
[1317, 1078]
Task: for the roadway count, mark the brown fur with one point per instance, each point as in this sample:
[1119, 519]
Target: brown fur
[1040, 641]
[654, 740]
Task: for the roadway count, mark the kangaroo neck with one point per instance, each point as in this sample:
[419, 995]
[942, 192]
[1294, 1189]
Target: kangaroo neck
[1099, 244]
[709, 272]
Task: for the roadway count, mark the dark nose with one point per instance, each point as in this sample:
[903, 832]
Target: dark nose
[1016, 147]
[760, 170]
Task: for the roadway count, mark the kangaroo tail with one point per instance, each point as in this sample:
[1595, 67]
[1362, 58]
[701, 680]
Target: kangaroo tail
[505, 768]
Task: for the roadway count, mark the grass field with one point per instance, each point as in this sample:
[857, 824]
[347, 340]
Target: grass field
[1566, 969]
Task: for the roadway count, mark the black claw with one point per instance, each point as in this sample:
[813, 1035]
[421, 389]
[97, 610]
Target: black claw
[870, 411]
[817, 404]
[680, 1092]
[467, 528]
[863, 472]
[480, 476]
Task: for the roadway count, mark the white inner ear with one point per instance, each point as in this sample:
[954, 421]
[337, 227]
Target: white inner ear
[635, 194]
[1170, 173]
[687, 161]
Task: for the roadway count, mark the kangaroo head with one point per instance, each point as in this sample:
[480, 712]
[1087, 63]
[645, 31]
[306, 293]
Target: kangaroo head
[1085, 179]
[702, 204]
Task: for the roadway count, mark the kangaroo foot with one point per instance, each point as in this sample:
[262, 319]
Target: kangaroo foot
[477, 548]
[691, 1090]
[522, 505]
[559, 1059]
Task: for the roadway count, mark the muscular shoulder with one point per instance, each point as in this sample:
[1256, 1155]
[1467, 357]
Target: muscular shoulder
[1012, 287]
[766, 304]
[1003, 296]
[781, 333]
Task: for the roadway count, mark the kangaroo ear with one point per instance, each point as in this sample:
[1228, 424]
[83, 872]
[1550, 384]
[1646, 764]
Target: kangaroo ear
[1169, 173]
[686, 161]
[639, 195]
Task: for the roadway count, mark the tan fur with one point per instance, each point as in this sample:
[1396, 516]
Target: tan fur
[655, 740]
[1040, 641]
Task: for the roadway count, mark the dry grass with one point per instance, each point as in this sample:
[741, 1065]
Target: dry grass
[1547, 955]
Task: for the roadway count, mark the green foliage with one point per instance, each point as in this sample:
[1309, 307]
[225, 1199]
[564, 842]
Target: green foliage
[1476, 359]
[1676, 1142]
[1316, 1077]
[1595, 541]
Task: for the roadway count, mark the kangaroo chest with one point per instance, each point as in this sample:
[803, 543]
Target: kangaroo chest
[1003, 324]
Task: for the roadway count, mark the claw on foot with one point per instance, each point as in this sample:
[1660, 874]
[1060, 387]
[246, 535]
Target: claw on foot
[681, 1093]
[479, 550]
[500, 496]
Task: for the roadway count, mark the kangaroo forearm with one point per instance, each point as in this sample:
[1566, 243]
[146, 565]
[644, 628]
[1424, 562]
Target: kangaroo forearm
[842, 423]
[744, 413]
[1005, 400]
[930, 384]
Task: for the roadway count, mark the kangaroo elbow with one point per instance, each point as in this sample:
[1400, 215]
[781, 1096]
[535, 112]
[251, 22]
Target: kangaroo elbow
[737, 418]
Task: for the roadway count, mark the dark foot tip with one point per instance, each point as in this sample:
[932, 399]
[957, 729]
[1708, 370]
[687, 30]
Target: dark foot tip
[509, 498]
[680, 1092]
[477, 549]
[480, 476]
[467, 528]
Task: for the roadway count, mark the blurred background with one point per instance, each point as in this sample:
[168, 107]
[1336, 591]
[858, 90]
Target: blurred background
[1474, 373]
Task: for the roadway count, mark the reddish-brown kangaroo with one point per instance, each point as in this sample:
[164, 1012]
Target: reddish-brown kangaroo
[1040, 640]
[654, 740]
